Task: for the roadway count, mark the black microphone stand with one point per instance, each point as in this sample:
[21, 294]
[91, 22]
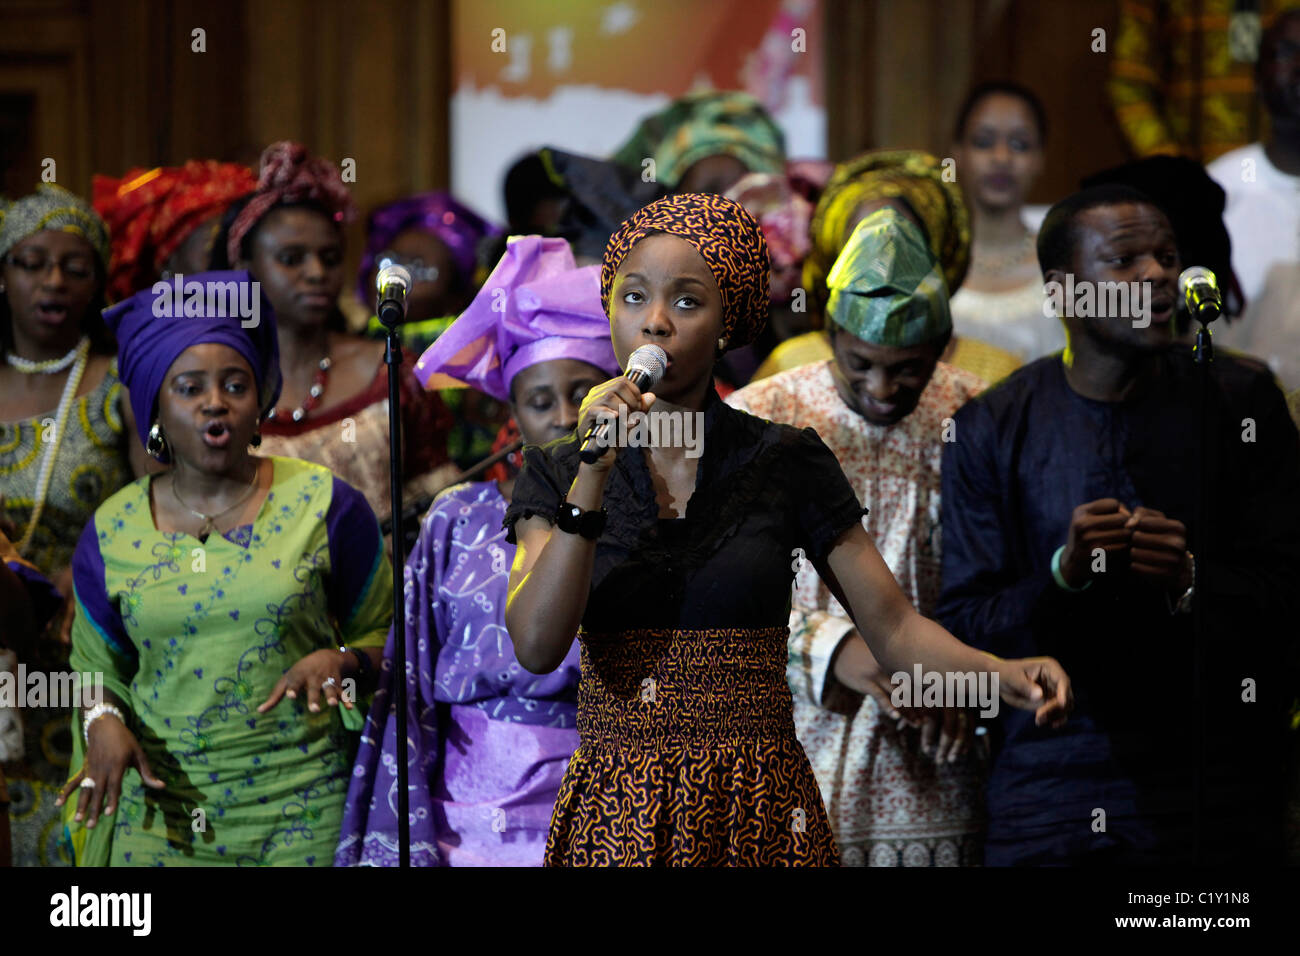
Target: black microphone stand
[1203, 354]
[391, 314]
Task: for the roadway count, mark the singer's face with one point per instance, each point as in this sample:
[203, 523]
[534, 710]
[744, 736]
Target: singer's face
[545, 398]
[208, 407]
[298, 258]
[664, 294]
[1128, 243]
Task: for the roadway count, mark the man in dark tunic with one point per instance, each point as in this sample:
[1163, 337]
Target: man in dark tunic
[1069, 508]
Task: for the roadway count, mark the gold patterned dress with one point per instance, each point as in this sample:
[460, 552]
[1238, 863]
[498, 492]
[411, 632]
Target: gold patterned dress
[90, 466]
[688, 754]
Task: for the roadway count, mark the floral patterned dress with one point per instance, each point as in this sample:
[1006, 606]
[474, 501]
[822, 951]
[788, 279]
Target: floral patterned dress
[194, 636]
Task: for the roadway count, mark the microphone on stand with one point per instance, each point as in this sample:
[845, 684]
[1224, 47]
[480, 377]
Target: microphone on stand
[393, 283]
[645, 367]
[1200, 291]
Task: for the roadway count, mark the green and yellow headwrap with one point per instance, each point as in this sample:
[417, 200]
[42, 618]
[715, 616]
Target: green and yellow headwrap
[886, 287]
[53, 207]
[705, 124]
[911, 175]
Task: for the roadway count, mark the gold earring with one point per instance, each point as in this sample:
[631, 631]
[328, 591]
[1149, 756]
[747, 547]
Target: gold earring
[722, 344]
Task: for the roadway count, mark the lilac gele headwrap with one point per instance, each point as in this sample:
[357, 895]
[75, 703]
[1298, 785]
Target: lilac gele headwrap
[150, 339]
[457, 226]
[534, 307]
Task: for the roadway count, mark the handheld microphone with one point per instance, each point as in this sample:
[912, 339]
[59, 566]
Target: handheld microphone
[645, 367]
[1200, 291]
[393, 283]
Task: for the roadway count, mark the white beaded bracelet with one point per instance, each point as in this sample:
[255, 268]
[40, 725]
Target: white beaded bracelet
[92, 715]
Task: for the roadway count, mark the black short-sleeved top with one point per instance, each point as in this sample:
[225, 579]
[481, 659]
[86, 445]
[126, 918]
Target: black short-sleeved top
[762, 490]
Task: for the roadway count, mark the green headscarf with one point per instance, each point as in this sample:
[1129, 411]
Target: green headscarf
[705, 124]
[886, 287]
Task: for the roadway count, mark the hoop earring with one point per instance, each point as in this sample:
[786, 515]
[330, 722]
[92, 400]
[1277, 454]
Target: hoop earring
[156, 444]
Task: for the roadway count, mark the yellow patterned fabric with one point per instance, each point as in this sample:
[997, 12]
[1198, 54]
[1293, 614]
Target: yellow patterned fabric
[987, 361]
[1181, 78]
[688, 756]
[90, 466]
[915, 177]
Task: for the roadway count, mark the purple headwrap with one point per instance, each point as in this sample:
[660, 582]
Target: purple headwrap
[154, 326]
[533, 308]
[460, 229]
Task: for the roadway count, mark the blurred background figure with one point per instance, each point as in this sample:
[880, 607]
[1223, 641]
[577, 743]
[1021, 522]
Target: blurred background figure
[1000, 137]
[783, 204]
[1262, 182]
[1181, 74]
[437, 240]
[164, 221]
[704, 142]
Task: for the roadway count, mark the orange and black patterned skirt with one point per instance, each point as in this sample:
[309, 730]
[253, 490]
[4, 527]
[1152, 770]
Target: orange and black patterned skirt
[688, 756]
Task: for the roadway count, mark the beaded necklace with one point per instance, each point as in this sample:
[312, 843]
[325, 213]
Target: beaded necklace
[82, 355]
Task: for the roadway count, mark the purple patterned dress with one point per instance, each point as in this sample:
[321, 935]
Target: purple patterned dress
[489, 742]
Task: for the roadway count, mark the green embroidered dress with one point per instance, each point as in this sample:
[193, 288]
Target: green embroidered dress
[194, 637]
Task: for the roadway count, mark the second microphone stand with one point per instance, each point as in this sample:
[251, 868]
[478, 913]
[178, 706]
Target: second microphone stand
[391, 314]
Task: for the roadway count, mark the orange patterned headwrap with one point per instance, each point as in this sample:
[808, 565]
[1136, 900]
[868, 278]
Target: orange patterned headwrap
[725, 235]
[150, 212]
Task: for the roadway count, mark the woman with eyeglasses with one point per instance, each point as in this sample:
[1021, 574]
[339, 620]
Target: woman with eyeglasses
[334, 406]
[63, 444]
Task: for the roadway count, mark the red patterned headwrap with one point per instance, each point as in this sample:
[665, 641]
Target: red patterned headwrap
[725, 235]
[290, 175]
[150, 212]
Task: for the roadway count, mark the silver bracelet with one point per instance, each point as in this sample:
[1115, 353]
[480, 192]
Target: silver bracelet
[92, 715]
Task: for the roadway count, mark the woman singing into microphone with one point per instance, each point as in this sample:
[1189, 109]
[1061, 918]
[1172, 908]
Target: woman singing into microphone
[676, 573]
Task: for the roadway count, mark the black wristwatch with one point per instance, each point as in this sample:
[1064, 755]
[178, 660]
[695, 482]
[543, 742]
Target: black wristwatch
[571, 519]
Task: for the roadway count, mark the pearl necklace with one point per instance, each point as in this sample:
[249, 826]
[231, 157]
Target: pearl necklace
[82, 356]
[46, 367]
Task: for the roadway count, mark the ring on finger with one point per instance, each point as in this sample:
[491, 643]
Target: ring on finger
[87, 784]
[329, 682]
